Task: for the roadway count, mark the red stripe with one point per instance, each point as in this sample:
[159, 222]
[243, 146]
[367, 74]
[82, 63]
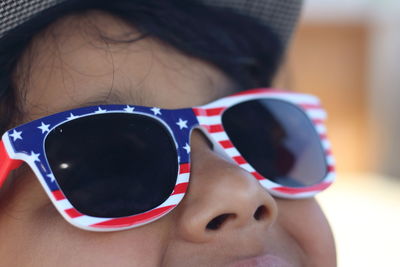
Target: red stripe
[330, 168]
[58, 195]
[216, 128]
[73, 213]
[318, 121]
[293, 190]
[310, 106]
[226, 144]
[323, 136]
[180, 188]
[199, 111]
[328, 152]
[214, 111]
[239, 160]
[208, 112]
[136, 219]
[184, 168]
[258, 176]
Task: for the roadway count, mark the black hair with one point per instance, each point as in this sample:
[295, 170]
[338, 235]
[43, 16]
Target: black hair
[246, 51]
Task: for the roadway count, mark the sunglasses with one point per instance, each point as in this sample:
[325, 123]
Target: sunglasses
[113, 167]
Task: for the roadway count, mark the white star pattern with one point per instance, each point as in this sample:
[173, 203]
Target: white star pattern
[16, 135]
[100, 110]
[44, 127]
[34, 156]
[187, 148]
[182, 124]
[129, 108]
[51, 176]
[71, 117]
[156, 111]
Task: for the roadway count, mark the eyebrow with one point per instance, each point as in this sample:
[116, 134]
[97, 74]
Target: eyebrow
[110, 98]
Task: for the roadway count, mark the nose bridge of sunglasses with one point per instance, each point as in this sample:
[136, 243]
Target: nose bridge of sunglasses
[212, 142]
[210, 125]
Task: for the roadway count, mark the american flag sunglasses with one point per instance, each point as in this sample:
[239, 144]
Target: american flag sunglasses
[114, 167]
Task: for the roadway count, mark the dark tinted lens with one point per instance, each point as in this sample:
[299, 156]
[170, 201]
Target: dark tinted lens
[113, 165]
[278, 140]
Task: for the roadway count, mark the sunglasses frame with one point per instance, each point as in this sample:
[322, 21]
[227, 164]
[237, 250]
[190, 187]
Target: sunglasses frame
[14, 150]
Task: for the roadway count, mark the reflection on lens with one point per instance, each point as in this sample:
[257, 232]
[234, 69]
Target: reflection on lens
[278, 140]
[64, 166]
[113, 165]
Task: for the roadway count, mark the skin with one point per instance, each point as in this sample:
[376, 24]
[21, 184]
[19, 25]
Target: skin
[69, 66]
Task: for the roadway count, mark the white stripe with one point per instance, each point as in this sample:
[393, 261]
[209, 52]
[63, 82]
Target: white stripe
[330, 177]
[330, 160]
[316, 114]
[173, 200]
[7, 145]
[267, 184]
[64, 204]
[209, 120]
[247, 167]
[221, 136]
[232, 152]
[202, 120]
[88, 220]
[290, 97]
[326, 144]
[183, 178]
[321, 129]
[298, 98]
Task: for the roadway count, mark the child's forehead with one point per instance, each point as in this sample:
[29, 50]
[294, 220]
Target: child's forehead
[70, 70]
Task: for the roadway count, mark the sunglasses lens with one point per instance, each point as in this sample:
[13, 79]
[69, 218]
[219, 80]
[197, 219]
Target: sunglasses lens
[278, 140]
[113, 165]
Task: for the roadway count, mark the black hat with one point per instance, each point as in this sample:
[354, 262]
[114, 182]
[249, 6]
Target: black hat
[280, 15]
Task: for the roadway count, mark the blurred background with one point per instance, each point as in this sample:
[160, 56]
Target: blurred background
[348, 53]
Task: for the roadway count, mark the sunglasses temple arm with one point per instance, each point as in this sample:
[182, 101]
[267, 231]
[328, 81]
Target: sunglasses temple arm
[7, 164]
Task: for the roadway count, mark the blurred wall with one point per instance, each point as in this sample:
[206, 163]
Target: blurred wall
[384, 101]
[329, 60]
[348, 53]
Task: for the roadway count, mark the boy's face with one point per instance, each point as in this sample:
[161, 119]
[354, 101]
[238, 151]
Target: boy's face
[70, 66]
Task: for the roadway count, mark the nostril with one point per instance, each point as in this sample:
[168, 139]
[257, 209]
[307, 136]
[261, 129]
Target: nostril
[260, 213]
[218, 221]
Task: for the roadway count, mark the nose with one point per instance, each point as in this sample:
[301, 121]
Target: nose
[222, 197]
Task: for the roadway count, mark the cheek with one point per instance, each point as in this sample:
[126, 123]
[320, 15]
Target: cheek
[137, 247]
[30, 223]
[306, 223]
[50, 241]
